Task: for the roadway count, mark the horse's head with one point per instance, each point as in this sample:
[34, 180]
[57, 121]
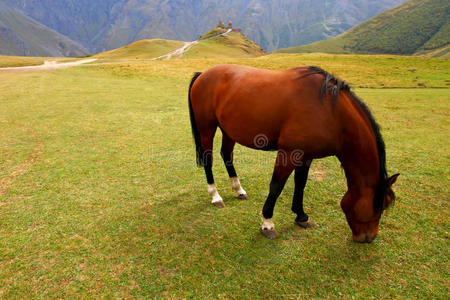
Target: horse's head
[362, 217]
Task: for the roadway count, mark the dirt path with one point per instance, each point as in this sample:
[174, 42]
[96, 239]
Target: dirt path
[51, 65]
[178, 53]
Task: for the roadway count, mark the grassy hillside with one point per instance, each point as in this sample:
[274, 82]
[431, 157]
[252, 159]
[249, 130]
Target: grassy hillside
[417, 25]
[212, 33]
[144, 49]
[443, 52]
[20, 35]
[210, 45]
[100, 196]
[441, 38]
[231, 45]
[20, 61]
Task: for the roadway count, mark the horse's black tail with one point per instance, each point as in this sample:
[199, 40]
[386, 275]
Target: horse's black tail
[196, 134]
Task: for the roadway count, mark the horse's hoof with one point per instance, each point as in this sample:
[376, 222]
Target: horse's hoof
[242, 197]
[307, 224]
[270, 233]
[219, 204]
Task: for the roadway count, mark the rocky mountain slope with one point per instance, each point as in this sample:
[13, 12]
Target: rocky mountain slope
[101, 25]
[20, 35]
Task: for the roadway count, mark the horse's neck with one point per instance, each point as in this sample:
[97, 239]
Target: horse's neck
[359, 155]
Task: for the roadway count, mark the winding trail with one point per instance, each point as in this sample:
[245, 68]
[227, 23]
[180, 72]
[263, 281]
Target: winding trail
[51, 65]
[178, 53]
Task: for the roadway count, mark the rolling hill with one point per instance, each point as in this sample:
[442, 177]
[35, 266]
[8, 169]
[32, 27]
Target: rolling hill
[217, 43]
[20, 35]
[229, 45]
[101, 25]
[143, 49]
[415, 27]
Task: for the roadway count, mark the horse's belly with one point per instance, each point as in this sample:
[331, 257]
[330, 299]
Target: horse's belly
[250, 123]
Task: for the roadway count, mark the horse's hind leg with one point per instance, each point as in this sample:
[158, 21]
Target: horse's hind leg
[207, 138]
[227, 156]
[283, 168]
[301, 175]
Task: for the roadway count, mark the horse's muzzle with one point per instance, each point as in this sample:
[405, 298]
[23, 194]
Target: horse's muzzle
[364, 238]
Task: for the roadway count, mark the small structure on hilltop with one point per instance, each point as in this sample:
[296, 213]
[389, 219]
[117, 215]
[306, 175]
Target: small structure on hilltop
[230, 26]
[220, 24]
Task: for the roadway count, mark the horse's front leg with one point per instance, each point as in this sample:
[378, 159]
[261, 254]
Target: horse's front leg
[283, 168]
[301, 176]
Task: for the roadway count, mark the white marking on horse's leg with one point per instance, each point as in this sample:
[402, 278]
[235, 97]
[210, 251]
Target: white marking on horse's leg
[212, 191]
[267, 224]
[236, 186]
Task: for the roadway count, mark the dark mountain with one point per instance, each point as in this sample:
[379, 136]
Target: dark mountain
[101, 25]
[417, 26]
[20, 35]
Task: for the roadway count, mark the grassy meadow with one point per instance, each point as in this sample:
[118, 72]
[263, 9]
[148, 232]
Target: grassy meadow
[19, 61]
[7, 61]
[100, 195]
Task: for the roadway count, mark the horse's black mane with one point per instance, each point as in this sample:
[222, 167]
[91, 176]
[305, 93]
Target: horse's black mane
[333, 85]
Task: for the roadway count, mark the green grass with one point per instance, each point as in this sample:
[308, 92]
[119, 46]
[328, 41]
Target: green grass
[364, 71]
[144, 49]
[104, 199]
[414, 26]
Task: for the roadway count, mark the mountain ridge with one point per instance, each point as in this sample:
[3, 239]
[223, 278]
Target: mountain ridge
[20, 35]
[101, 25]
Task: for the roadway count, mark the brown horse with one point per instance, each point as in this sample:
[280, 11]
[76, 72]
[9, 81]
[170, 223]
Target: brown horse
[303, 113]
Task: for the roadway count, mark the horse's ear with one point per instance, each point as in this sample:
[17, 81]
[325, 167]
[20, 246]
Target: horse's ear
[393, 179]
